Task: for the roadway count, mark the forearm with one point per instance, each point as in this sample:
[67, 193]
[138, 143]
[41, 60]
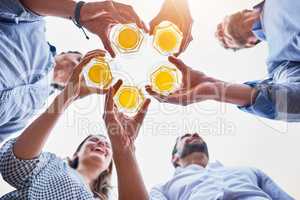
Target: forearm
[183, 5]
[178, 2]
[238, 94]
[130, 182]
[31, 142]
[58, 8]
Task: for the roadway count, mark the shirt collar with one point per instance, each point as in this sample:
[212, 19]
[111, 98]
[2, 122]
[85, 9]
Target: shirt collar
[81, 179]
[194, 167]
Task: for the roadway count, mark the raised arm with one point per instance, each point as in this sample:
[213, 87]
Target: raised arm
[122, 131]
[58, 8]
[98, 17]
[264, 98]
[177, 12]
[30, 143]
[197, 87]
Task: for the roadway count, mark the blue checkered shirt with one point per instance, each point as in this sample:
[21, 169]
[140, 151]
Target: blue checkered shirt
[45, 177]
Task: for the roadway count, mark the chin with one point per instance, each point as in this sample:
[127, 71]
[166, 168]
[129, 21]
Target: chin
[96, 158]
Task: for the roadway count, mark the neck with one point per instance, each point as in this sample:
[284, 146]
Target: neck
[195, 159]
[90, 173]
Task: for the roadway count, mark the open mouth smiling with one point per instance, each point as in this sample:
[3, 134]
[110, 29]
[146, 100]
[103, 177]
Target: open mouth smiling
[100, 150]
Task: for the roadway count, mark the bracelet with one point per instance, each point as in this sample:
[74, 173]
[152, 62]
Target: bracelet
[77, 13]
[57, 86]
[76, 19]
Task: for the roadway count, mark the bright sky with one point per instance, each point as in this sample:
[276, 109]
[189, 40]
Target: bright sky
[234, 138]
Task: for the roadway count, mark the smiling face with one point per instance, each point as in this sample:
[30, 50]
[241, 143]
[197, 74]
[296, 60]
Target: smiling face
[190, 148]
[96, 150]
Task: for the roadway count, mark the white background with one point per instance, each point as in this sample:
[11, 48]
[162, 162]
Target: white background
[234, 138]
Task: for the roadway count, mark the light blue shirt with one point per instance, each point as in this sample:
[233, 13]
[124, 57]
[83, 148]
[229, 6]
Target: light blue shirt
[25, 63]
[279, 94]
[216, 182]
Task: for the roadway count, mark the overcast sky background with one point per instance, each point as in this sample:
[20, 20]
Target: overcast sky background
[234, 138]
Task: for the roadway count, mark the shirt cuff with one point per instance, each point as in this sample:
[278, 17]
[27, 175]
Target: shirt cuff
[259, 6]
[257, 26]
[258, 31]
[263, 105]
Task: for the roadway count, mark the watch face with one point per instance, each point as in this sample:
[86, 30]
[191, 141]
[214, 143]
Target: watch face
[57, 86]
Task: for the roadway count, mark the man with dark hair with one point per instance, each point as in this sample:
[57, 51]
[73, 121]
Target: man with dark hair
[197, 179]
[194, 179]
[187, 149]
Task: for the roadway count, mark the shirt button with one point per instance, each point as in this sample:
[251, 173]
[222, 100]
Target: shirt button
[17, 20]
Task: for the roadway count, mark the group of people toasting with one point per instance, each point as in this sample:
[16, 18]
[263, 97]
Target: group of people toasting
[27, 59]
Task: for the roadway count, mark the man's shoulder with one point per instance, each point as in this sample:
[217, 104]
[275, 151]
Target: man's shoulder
[158, 192]
[158, 187]
[242, 170]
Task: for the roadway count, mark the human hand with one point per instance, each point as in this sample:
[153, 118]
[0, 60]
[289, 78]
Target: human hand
[100, 17]
[196, 86]
[122, 129]
[235, 31]
[177, 12]
[65, 63]
[76, 87]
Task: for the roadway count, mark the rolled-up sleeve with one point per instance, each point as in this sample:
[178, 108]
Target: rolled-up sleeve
[15, 11]
[279, 101]
[19, 173]
[257, 28]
